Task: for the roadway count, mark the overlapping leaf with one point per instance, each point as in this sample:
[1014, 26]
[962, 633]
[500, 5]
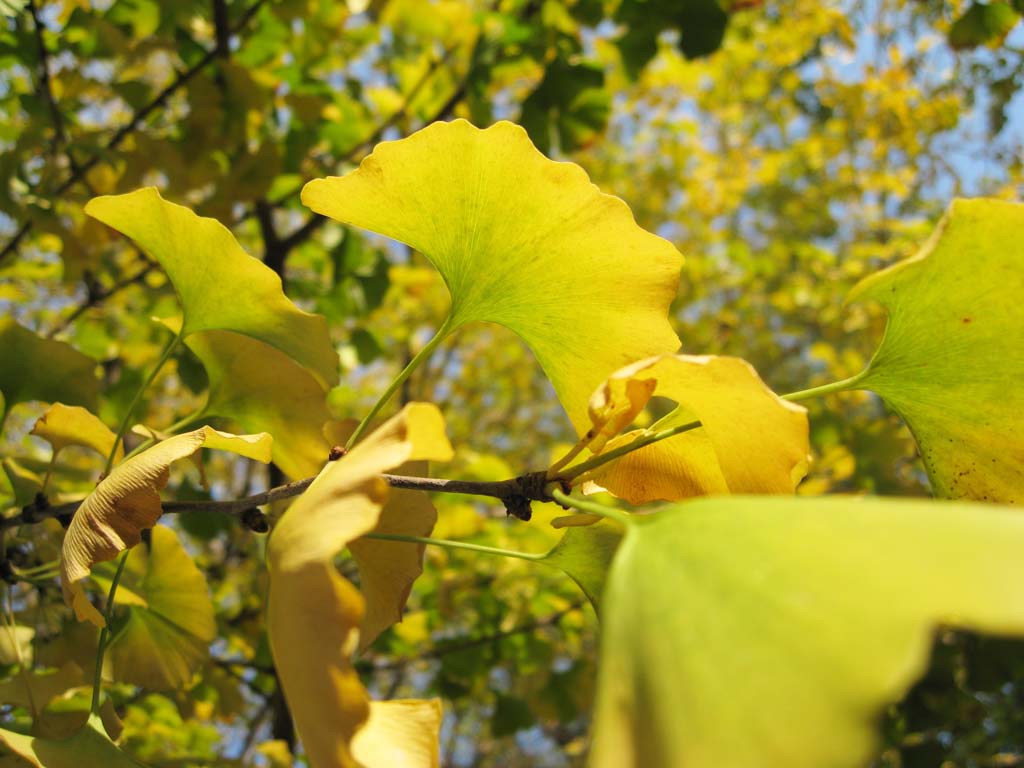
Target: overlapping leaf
[88, 747]
[749, 441]
[403, 732]
[113, 516]
[220, 286]
[36, 368]
[64, 425]
[521, 241]
[314, 615]
[952, 359]
[169, 622]
[747, 632]
[585, 554]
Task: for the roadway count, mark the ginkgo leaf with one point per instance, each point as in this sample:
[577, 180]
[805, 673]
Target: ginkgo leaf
[403, 732]
[160, 643]
[15, 643]
[34, 690]
[263, 390]
[749, 441]
[314, 614]
[521, 241]
[88, 747]
[387, 569]
[747, 632]
[113, 516]
[220, 286]
[952, 358]
[24, 483]
[36, 368]
[64, 425]
[585, 555]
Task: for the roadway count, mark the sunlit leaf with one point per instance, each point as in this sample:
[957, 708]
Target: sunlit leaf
[750, 440]
[15, 643]
[64, 425]
[220, 286]
[88, 747]
[585, 554]
[952, 359]
[746, 632]
[160, 643]
[36, 368]
[34, 690]
[314, 614]
[403, 732]
[113, 516]
[265, 391]
[24, 483]
[521, 241]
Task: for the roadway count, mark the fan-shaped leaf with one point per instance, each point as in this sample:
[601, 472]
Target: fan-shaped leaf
[64, 425]
[521, 241]
[952, 360]
[747, 632]
[220, 286]
[314, 614]
[88, 747]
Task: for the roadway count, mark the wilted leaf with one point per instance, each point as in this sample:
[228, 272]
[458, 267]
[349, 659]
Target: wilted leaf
[403, 732]
[88, 747]
[750, 440]
[126, 502]
[952, 359]
[169, 625]
[220, 286]
[585, 555]
[314, 614]
[64, 425]
[43, 369]
[746, 632]
[265, 391]
[521, 241]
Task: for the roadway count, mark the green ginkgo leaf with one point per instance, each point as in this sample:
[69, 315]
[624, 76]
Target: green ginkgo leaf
[521, 241]
[169, 624]
[220, 286]
[585, 554]
[952, 359]
[37, 368]
[88, 747]
[745, 632]
[265, 391]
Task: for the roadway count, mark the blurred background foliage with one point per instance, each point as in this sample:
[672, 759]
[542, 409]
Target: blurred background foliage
[787, 148]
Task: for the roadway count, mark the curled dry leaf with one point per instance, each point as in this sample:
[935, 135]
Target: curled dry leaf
[113, 516]
[727, 454]
[314, 615]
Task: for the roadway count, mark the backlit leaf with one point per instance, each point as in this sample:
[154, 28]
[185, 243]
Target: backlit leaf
[746, 632]
[36, 368]
[88, 747]
[403, 732]
[585, 555]
[314, 614]
[750, 440]
[113, 516]
[952, 359]
[521, 241]
[64, 425]
[161, 643]
[220, 286]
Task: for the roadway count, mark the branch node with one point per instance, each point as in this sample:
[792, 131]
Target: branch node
[254, 519]
[337, 451]
[33, 513]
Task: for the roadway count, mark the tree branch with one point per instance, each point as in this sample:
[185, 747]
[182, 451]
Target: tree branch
[137, 118]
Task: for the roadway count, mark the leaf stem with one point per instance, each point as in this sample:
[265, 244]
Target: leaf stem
[168, 351]
[593, 508]
[101, 646]
[641, 442]
[399, 380]
[173, 429]
[827, 389]
[449, 544]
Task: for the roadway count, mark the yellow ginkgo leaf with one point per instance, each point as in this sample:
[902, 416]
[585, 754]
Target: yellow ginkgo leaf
[88, 747]
[521, 241]
[402, 733]
[314, 615]
[750, 440]
[64, 425]
[113, 516]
